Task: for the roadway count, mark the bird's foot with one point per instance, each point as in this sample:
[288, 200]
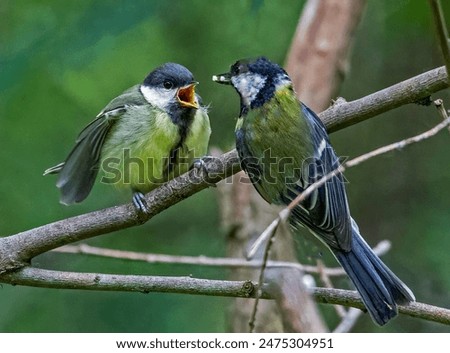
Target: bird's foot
[140, 203]
[201, 165]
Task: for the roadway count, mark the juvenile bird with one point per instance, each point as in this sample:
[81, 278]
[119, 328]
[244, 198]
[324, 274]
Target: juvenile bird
[149, 134]
[284, 147]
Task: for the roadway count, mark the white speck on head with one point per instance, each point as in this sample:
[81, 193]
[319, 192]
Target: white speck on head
[216, 78]
[248, 84]
[158, 97]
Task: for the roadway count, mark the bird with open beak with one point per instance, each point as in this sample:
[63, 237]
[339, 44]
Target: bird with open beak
[149, 134]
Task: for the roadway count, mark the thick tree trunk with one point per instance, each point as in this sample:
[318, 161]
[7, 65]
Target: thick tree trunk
[319, 56]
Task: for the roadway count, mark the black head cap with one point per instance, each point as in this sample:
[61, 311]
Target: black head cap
[169, 75]
[261, 66]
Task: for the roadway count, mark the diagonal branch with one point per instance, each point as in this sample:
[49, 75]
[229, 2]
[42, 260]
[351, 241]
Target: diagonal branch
[379, 151]
[413, 90]
[17, 250]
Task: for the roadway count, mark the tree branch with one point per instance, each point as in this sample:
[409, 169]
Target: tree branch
[17, 250]
[413, 90]
[35, 277]
[441, 31]
[91, 281]
[380, 249]
[352, 299]
[348, 321]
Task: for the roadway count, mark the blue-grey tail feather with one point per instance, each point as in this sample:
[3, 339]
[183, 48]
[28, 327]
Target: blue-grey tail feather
[380, 289]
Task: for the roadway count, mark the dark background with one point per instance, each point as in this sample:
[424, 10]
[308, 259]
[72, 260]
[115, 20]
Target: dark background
[61, 62]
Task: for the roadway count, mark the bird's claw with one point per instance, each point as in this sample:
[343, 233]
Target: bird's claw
[140, 203]
[201, 165]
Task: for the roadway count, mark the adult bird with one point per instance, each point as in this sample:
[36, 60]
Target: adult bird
[149, 134]
[284, 148]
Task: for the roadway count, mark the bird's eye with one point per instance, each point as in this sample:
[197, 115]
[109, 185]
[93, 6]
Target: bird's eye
[168, 84]
[239, 68]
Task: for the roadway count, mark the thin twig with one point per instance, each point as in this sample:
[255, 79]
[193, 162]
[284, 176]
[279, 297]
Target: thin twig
[441, 31]
[365, 157]
[380, 249]
[193, 260]
[252, 320]
[348, 321]
[340, 310]
[266, 235]
[441, 109]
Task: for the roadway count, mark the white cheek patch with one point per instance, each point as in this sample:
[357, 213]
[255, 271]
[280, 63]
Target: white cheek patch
[158, 97]
[281, 81]
[248, 85]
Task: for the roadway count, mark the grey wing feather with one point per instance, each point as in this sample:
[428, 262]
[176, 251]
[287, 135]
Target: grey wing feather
[77, 174]
[326, 212]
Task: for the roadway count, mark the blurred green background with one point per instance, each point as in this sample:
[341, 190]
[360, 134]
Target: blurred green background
[61, 62]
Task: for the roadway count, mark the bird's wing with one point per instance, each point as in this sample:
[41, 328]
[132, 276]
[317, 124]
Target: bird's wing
[251, 165]
[78, 173]
[326, 211]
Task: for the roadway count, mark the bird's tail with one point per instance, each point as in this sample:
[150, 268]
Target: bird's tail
[380, 289]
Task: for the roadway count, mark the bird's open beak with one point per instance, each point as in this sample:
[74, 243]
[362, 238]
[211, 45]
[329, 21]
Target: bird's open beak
[222, 78]
[186, 96]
